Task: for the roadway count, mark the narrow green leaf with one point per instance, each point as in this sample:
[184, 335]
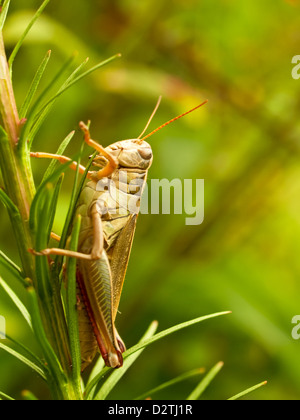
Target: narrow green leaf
[171, 330]
[60, 151]
[5, 397]
[28, 354]
[151, 340]
[32, 112]
[18, 224]
[99, 366]
[115, 377]
[9, 265]
[16, 301]
[93, 69]
[53, 204]
[21, 40]
[178, 379]
[34, 86]
[40, 220]
[198, 391]
[63, 88]
[3, 14]
[73, 79]
[41, 115]
[45, 288]
[72, 316]
[6, 201]
[38, 198]
[12, 210]
[23, 359]
[247, 391]
[58, 378]
[55, 80]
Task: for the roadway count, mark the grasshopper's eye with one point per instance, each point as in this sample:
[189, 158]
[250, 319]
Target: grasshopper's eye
[114, 147]
[145, 153]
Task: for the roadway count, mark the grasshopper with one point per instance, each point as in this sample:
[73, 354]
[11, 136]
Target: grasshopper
[106, 236]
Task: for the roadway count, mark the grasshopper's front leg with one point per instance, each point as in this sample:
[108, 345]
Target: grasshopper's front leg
[106, 171]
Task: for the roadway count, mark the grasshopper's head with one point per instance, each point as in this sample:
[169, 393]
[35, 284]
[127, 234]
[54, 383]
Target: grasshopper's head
[131, 154]
[135, 154]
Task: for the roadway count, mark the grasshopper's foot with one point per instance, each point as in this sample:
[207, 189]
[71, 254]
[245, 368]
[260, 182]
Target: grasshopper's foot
[84, 127]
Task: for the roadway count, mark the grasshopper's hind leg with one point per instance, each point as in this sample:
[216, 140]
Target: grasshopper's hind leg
[97, 249]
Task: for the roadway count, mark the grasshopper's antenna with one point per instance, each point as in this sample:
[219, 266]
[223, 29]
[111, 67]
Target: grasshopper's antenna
[150, 119]
[172, 120]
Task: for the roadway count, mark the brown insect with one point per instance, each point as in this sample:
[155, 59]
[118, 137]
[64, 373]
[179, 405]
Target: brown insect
[106, 236]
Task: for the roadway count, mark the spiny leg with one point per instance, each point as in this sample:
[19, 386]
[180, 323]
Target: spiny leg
[97, 245]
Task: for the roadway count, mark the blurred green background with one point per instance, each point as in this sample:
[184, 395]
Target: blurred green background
[244, 143]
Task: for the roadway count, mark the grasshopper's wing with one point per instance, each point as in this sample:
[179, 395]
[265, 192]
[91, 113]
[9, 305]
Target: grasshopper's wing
[119, 260]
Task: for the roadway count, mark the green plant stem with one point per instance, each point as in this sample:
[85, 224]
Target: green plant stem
[16, 170]
[19, 186]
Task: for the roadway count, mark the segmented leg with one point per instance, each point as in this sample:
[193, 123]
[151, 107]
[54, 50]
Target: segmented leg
[97, 246]
[60, 158]
[112, 163]
[105, 172]
[55, 237]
